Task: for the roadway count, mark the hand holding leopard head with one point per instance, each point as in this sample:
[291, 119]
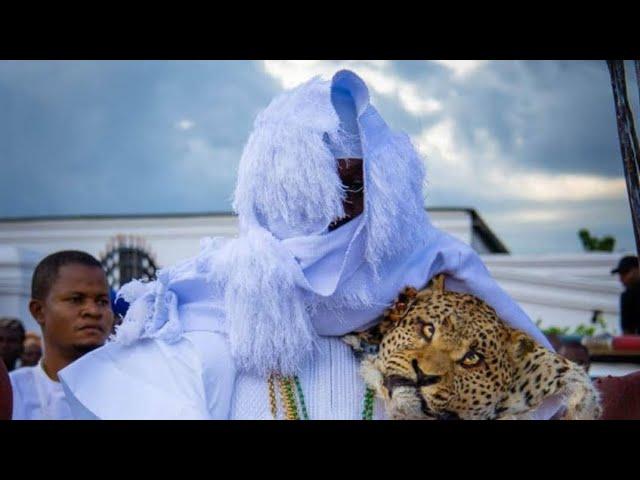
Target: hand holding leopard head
[439, 354]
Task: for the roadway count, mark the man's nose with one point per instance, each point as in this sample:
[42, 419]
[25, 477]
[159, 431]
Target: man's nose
[93, 309]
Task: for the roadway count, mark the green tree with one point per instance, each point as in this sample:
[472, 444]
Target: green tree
[595, 244]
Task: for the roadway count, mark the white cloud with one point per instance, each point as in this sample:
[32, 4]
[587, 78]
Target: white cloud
[438, 141]
[484, 172]
[416, 104]
[531, 215]
[462, 68]
[544, 187]
[376, 73]
[185, 124]
[290, 73]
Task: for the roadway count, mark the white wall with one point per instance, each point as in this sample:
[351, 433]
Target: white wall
[561, 290]
[171, 239]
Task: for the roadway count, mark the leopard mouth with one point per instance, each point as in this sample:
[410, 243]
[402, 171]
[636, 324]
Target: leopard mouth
[405, 390]
[395, 381]
[443, 415]
[411, 387]
[407, 402]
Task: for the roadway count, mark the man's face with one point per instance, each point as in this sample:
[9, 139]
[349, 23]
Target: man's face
[76, 315]
[10, 345]
[629, 277]
[350, 172]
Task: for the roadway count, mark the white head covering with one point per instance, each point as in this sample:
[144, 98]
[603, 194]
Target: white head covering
[286, 278]
[286, 263]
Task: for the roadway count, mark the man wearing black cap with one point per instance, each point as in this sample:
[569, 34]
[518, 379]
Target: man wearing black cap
[630, 299]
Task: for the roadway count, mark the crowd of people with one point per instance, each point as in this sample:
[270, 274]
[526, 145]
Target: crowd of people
[316, 258]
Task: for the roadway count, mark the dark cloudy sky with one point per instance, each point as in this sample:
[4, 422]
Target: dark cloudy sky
[532, 145]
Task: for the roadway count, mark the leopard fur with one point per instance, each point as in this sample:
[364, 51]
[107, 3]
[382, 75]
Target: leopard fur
[439, 354]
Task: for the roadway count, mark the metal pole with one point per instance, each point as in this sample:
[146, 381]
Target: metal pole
[628, 142]
[637, 65]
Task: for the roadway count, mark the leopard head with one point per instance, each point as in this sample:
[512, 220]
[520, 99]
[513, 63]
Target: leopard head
[446, 355]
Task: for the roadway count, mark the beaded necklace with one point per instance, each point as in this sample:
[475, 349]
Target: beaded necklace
[293, 401]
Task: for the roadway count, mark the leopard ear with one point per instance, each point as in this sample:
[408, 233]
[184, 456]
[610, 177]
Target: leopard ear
[521, 344]
[437, 283]
[364, 343]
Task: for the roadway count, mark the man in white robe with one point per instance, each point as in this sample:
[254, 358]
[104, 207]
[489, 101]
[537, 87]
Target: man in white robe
[332, 226]
[70, 301]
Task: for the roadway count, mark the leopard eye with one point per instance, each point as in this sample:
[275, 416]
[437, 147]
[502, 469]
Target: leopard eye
[470, 359]
[428, 330]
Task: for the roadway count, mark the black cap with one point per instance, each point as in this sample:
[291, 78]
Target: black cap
[626, 264]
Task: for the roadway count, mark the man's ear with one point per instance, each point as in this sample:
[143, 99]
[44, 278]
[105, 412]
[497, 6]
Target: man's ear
[36, 308]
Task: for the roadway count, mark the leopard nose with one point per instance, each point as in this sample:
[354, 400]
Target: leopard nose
[426, 380]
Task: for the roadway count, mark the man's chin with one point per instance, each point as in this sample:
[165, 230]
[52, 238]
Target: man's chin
[338, 223]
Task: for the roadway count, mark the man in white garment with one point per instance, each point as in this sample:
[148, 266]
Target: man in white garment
[70, 301]
[332, 226]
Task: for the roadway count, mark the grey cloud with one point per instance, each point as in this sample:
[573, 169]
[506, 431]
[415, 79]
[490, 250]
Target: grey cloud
[105, 129]
[562, 111]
